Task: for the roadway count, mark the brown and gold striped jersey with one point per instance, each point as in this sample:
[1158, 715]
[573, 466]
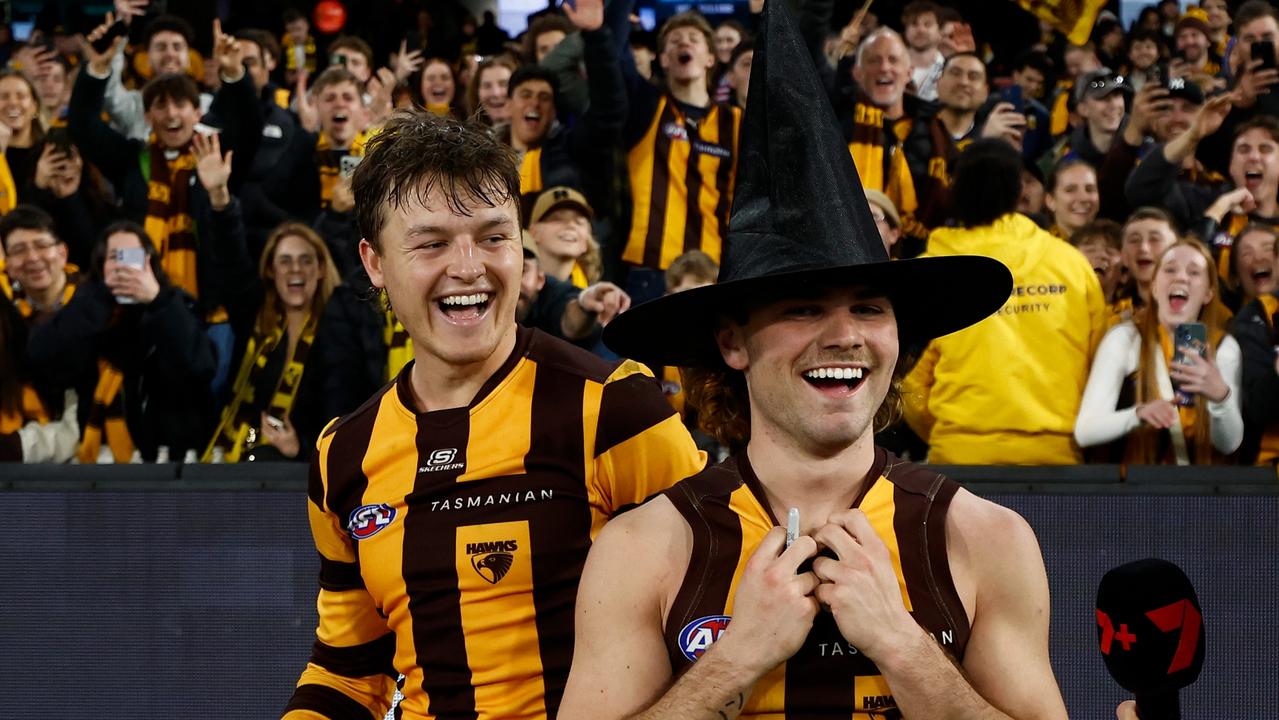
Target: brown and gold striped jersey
[726, 508]
[451, 542]
[682, 174]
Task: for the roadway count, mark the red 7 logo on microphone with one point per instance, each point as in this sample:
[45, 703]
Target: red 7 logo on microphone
[1181, 614]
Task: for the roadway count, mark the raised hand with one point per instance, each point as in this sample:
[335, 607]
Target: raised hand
[308, 115]
[381, 88]
[126, 10]
[1252, 82]
[605, 300]
[1147, 106]
[213, 168]
[588, 15]
[29, 58]
[100, 62]
[405, 62]
[228, 53]
[1208, 118]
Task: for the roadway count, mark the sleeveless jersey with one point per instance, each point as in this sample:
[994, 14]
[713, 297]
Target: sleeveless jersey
[726, 507]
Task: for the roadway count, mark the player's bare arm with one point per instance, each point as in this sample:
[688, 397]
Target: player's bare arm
[1005, 673]
[621, 670]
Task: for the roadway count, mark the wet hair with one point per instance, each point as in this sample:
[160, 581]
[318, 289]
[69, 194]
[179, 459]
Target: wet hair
[987, 182]
[417, 153]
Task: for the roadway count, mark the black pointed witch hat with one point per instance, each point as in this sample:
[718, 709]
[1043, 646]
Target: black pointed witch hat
[800, 220]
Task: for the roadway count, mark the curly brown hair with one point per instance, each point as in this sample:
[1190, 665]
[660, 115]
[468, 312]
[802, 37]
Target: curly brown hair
[417, 153]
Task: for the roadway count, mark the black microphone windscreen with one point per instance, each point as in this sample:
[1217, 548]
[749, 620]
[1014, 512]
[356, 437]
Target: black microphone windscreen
[1150, 627]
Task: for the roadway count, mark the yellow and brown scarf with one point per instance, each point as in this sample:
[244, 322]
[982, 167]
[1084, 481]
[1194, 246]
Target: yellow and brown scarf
[8, 189]
[399, 346]
[328, 160]
[238, 430]
[106, 419]
[882, 167]
[168, 222]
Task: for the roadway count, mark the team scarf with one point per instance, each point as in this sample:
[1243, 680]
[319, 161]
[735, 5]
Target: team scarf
[168, 222]
[531, 172]
[5, 286]
[883, 168]
[106, 419]
[399, 346]
[237, 433]
[328, 160]
[935, 188]
[8, 189]
[27, 309]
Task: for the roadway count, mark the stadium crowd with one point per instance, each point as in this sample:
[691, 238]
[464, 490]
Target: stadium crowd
[182, 279]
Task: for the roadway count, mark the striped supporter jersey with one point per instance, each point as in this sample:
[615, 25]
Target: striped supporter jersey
[451, 542]
[726, 508]
[682, 174]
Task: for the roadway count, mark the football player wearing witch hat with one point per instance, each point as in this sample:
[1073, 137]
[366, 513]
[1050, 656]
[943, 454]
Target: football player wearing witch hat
[901, 594]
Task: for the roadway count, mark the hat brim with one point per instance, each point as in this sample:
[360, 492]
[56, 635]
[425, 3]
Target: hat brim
[931, 297]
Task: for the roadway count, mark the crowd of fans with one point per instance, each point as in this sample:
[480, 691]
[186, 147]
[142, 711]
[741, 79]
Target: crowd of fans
[180, 268]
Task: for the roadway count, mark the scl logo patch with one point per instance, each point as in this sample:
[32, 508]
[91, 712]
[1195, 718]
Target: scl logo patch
[698, 635]
[369, 520]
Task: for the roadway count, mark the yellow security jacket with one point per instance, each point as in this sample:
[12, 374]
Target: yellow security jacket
[1006, 390]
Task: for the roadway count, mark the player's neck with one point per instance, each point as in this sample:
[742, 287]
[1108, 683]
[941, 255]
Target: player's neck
[439, 385]
[692, 92]
[819, 484]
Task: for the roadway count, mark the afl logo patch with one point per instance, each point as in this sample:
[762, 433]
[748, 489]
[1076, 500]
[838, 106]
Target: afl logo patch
[369, 520]
[698, 635]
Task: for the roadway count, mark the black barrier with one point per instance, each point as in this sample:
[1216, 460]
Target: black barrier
[166, 591]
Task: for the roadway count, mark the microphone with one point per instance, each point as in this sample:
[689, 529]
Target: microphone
[1150, 629]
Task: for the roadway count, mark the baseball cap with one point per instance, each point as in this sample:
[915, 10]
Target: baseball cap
[1185, 89]
[881, 201]
[1098, 84]
[557, 197]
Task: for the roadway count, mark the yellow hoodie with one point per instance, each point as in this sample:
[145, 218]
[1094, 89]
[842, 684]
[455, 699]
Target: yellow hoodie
[1006, 390]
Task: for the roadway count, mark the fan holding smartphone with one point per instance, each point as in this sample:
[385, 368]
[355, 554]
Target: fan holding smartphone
[1176, 359]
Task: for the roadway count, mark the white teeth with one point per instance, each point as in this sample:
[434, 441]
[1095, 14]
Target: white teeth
[834, 373]
[461, 300]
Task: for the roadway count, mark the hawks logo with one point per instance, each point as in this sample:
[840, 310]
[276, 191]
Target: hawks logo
[369, 520]
[492, 560]
[698, 635]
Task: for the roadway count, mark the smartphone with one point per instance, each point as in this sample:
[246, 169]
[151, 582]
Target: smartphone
[275, 423]
[348, 164]
[60, 139]
[1013, 95]
[1188, 339]
[299, 57]
[117, 29]
[130, 257]
[1165, 77]
[1264, 50]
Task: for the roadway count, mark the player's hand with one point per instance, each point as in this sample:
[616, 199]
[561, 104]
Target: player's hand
[1158, 414]
[774, 607]
[1127, 710]
[860, 587]
[1201, 376]
[605, 300]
